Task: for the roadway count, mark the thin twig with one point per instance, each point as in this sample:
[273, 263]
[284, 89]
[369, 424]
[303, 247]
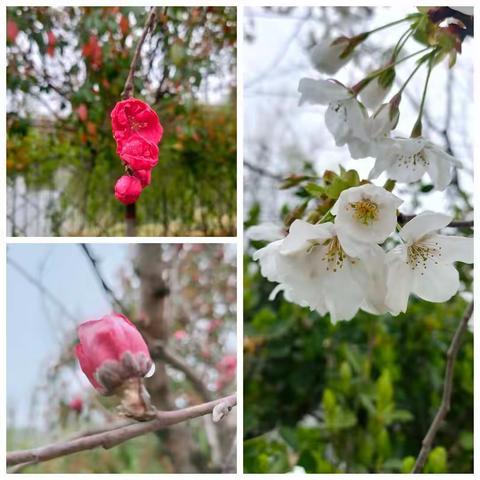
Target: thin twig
[159, 350]
[403, 219]
[447, 392]
[111, 438]
[108, 291]
[262, 171]
[128, 88]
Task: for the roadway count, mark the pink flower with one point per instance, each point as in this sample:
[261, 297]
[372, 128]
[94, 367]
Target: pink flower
[51, 43]
[82, 112]
[145, 177]
[128, 189]
[111, 350]
[137, 152]
[226, 368]
[132, 116]
[76, 404]
[180, 335]
[12, 31]
[214, 325]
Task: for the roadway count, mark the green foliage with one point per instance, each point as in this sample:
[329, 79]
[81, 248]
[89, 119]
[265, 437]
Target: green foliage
[357, 396]
[65, 149]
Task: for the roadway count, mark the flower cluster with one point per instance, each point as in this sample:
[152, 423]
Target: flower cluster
[137, 131]
[339, 267]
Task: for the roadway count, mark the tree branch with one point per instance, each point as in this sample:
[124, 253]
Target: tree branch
[106, 288]
[262, 171]
[403, 219]
[128, 88]
[447, 392]
[111, 438]
[159, 350]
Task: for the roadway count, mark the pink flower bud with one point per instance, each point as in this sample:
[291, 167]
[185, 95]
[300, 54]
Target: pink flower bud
[76, 404]
[128, 189]
[82, 112]
[112, 351]
[180, 335]
[132, 116]
[137, 152]
[145, 177]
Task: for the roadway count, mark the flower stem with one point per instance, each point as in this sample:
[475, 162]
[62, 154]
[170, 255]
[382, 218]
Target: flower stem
[388, 25]
[417, 128]
[401, 43]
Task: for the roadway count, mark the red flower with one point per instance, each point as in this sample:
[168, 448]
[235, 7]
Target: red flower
[145, 177]
[138, 153]
[93, 51]
[111, 351]
[226, 368]
[76, 404]
[128, 189]
[82, 112]
[51, 44]
[134, 116]
[12, 30]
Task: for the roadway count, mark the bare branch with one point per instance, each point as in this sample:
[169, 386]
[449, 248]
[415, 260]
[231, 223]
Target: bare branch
[106, 288]
[159, 350]
[262, 171]
[447, 392]
[128, 89]
[111, 438]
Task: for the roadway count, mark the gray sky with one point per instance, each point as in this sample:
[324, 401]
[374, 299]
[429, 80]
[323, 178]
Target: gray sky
[274, 123]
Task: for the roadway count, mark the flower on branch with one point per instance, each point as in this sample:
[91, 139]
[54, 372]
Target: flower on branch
[408, 159]
[365, 215]
[423, 263]
[127, 189]
[329, 56]
[313, 269]
[138, 153]
[112, 351]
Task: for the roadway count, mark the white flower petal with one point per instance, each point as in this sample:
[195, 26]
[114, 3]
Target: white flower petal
[422, 224]
[265, 231]
[321, 91]
[302, 234]
[373, 94]
[437, 283]
[325, 56]
[455, 248]
[399, 280]
[439, 169]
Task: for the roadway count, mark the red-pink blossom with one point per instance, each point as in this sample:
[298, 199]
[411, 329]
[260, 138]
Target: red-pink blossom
[51, 43]
[145, 177]
[111, 351]
[12, 30]
[226, 368]
[138, 153]
[134, 116]
[180, 335]
[128, 189]
[82, 112]
[76, 404]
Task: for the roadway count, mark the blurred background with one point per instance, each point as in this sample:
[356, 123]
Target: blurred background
[357, 396]
[181, 295]
[66, 68]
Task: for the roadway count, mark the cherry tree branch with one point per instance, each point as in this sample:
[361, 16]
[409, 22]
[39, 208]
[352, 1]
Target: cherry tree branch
[116, 436]
[128, 88]
[447, 392]
[403, 219]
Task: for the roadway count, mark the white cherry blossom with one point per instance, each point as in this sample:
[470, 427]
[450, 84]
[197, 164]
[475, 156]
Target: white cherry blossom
[268, 231]
[345, 117]
[365, 216]
[373, 94]
[408, 159]
[326, 56]
[313, 270]
[423, 264]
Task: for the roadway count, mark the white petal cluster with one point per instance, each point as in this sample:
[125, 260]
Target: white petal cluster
[327, 56]
[339, 268]
[370, 135]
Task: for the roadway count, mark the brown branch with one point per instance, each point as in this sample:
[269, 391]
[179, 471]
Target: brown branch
[403, 219]
[111, 438]
[106, 288]
[447, 392]
[159, 350]
[128, 88]
[262, 171]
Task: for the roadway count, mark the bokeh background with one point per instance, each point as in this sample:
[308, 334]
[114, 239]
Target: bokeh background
[182, 295]
[357, 396]
[66, 68]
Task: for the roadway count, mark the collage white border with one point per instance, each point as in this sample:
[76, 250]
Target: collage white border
[240, 4]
